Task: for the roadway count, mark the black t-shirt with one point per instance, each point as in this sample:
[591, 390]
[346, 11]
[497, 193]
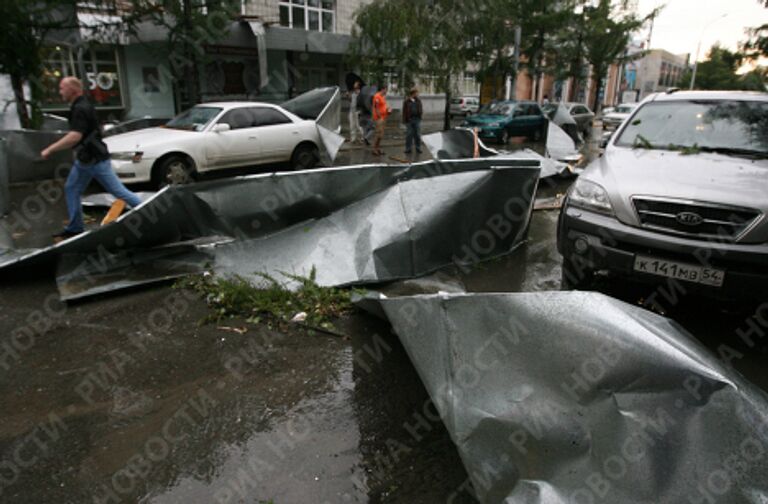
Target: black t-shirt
[82, 118]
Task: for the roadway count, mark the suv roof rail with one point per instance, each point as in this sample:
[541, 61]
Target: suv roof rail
[672, 90]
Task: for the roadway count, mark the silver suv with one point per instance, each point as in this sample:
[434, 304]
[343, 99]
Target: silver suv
[679, 197]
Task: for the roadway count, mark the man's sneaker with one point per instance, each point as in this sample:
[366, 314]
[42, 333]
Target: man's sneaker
[407, 152]
[64, 235]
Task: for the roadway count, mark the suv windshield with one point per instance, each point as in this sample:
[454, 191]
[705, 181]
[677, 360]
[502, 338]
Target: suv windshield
[727, 126]
[194, 119]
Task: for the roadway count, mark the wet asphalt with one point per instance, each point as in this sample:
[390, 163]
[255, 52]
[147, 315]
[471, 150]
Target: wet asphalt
[129, 398]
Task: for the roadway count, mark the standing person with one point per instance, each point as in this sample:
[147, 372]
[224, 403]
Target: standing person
[380, 113]
[412, 112]
[364, 106]
[355, 130]
[91, 157]
[545, 101]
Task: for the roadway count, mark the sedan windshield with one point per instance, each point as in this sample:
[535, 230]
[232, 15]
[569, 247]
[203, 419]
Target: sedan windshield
[691, 126]
[194, 119]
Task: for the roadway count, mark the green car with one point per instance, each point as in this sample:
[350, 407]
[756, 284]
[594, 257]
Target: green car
[501, 120]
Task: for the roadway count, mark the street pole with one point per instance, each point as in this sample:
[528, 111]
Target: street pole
[695, 64]
[698, 48]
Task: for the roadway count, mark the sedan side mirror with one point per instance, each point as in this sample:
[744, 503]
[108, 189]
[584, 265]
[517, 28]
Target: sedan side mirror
[220, 127]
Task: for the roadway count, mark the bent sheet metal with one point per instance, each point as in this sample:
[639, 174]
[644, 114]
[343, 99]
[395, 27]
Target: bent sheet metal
[459, 143]
[353, 225]
[571, 397]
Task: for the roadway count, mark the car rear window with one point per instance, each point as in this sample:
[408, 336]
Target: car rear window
[721, 124]
[456, 101]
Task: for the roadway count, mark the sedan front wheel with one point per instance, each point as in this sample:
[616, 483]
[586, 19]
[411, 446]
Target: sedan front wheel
[174, 170]
[305, 157]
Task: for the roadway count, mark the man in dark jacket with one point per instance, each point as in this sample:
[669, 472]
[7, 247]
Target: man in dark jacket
[412, 112]
[92, 158]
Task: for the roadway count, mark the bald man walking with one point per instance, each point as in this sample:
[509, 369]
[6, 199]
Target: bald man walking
[91, 157]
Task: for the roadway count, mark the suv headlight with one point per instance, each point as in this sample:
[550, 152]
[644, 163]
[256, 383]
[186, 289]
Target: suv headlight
[590, 196]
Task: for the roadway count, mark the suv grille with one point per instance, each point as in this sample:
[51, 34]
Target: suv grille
[693, 218]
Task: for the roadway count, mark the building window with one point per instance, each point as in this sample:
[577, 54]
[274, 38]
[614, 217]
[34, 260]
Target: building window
[314, 15]
[470, 86]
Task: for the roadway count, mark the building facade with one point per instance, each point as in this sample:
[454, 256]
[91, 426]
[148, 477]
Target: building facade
[657, 71]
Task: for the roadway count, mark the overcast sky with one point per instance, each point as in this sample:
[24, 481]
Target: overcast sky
[682, 22]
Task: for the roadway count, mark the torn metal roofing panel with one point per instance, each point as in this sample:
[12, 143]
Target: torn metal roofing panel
[459, 143]
[571, 397]
[353, 224]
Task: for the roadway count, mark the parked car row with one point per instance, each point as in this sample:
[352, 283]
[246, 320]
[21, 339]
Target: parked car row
[678, 198]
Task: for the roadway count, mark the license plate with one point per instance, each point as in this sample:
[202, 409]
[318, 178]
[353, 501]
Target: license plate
[679, 271]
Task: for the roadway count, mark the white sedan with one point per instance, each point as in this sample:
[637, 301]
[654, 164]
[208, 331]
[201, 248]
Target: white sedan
[214, 136]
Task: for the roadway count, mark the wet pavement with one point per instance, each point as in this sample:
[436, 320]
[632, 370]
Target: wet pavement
[128, 398]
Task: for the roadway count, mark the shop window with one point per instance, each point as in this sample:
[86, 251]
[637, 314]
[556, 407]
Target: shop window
[313, 15]
[102, 80]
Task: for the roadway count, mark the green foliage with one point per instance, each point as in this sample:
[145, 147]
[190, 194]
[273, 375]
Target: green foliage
[272, 302]
[718, 71]
[600, 35]
[23, 28]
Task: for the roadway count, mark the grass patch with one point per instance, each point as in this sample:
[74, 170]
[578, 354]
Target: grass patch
[272, 303]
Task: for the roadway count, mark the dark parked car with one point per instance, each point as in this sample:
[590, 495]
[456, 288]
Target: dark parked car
[680, 197]
[501, 120]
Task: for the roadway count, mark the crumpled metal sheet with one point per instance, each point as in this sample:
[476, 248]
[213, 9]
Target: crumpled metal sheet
[576, 397]
[566, 122]
[22, 155]
[5, 194]
[322, 105]
[560, 145]
[353, 224]
[458, 143]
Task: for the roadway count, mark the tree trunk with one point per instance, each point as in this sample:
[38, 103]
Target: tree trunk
[17, 83]
[447, 110]
[598, 79]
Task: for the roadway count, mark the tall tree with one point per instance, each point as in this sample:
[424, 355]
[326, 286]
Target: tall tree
[539, 21]
[596, 37]
[718, 71]
[414, 38]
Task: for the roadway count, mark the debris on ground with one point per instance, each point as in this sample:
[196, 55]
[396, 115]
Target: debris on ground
[553, 390]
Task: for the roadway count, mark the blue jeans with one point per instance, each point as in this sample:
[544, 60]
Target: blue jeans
[79, 178]
[413, 134]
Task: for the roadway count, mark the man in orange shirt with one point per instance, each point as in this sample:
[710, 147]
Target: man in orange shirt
[380, 113]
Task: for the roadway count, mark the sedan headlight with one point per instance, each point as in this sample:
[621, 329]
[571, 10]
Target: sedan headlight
[494, 125]
[590, 196]
[127, 156]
